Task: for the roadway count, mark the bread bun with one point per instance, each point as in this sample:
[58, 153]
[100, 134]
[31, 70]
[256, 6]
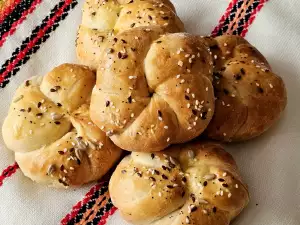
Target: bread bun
[195, 183]
[250, 98]
[103, 19]
[49, 129]
[153, 91]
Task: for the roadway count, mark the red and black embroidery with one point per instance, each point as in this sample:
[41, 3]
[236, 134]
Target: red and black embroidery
[238, 17]
[95, 208]
[10, 170]
[32, 43]
[15, 18]
[7, 7]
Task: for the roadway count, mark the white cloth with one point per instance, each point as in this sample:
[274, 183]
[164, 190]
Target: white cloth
[269, 164]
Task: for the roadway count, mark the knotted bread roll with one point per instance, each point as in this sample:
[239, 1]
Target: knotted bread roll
[153, 91]
[102, 19]
[49, 128]
[249, 96]
[196, 183]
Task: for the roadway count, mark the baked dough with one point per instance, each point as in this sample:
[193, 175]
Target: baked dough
[250, 98]
[49, 129]
[103, 19]
[196, 183]
[153, 90]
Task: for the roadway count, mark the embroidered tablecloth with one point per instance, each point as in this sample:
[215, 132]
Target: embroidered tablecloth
[36, 35]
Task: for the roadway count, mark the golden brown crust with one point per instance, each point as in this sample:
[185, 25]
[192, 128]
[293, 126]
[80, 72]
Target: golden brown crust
[49, 128]
[250, 98]
[103, 19]
[195, 183]
[152, 92]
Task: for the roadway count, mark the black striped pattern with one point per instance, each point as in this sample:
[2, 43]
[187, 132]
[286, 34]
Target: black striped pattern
[15, 15]
[38, 43]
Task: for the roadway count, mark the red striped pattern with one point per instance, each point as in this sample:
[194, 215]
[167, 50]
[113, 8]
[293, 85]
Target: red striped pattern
[8, 9]
[78, 206]
[253, 16]
[31, 44]
[107, 215]
[10, 170]
[18, 22]
[222, 20]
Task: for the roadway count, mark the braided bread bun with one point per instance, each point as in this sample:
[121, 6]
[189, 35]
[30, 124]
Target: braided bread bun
[250, 97]
[49, 128]
[196, 183]
[102, 19]
[153, 91]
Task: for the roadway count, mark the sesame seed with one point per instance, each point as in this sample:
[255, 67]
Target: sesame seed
[229, 195]
[187, 220]
[71, 168]
[188, 90]
[189, 128]
[225, 44]
[191, 154]
[19, 98]
[228, 52]
[198, 55]
[160, 118]
[252, 61]
[178, 76]
[271, 86]
[166, 127]
[215, 56]
[30, 131]
[187, 55]
[190, 60]
[204, 211]
[136, 37]
[202, 201]
[233, 95]
[193, 95]
[197, 102]
[180, 63]
[182, 81]
[257, 84]
[168, 139]
[209, 176]
[188, 105]
[194, 123]
[206, 89]
[42, 124]
[159, 194]
[188, 70]
[102, 127]
[224, 174]
[221, 193]
[218, 193]
[148, 29]
[132, 115]
[132, 77]
[236, 186]
[224, 134]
